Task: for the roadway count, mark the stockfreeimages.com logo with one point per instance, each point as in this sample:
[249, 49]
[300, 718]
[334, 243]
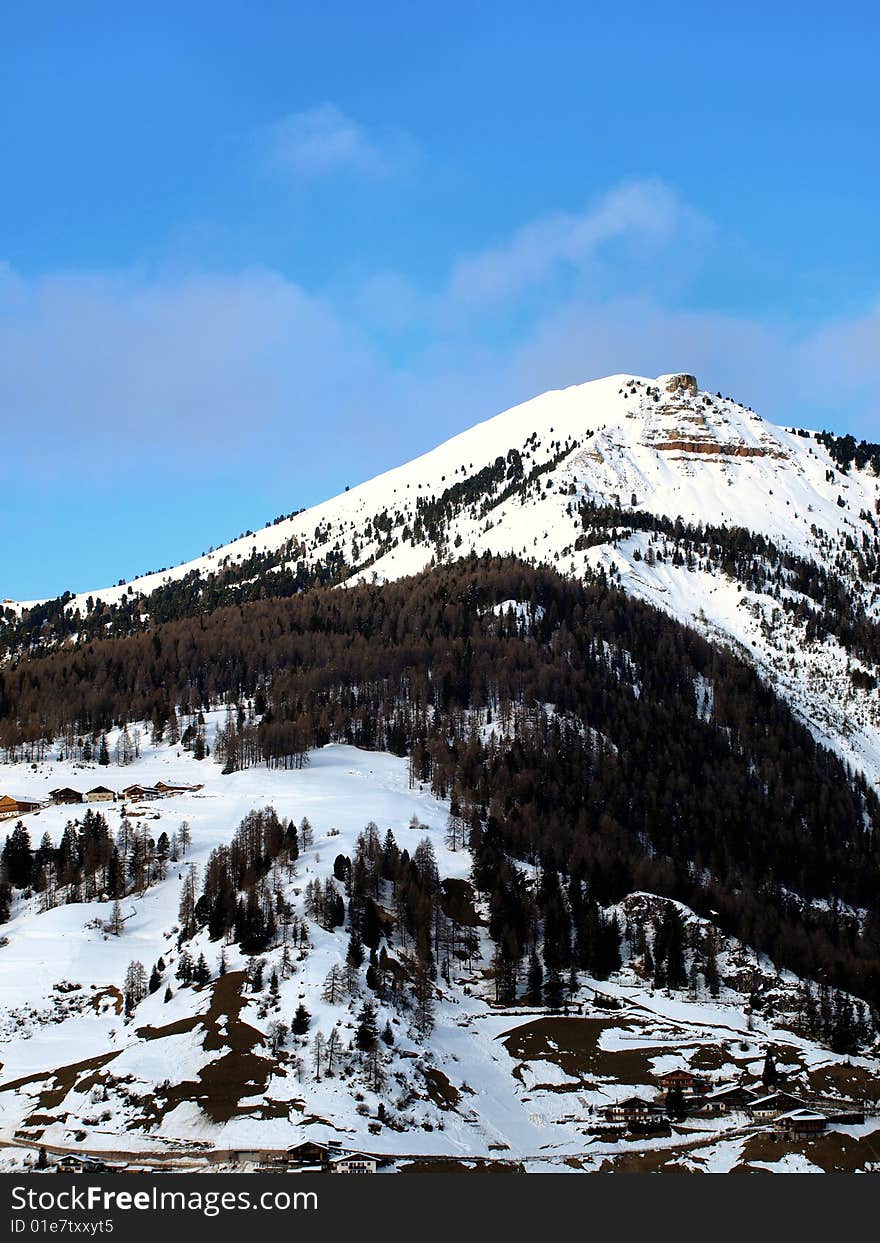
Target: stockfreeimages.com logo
[92, 1199]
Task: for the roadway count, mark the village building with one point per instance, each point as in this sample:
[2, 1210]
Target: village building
[633, 1109]
[101, 794]
[353, 1163]
[250, 1156]
[723, 1100]
[139, 793]
[800, 1124]
[766, 1108]
[74, 1163]
[65, 795]
[11, 806]
[310, 1154]
[684, 1081]
[167, 789]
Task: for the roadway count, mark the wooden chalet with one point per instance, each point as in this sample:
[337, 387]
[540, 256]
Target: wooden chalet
[168, 790]
[66, 795]
[140, 793]
[633, 1109]
[684, 1081]
[101, 794]
[310, 1154]
[74, 1163]
[722, 1100]
[800, 1124]
[766, 1108]
[11, 806]
[353, 1163]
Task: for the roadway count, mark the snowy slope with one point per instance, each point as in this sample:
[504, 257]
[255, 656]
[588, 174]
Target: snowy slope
[654, 446]
[681, 452]
[507, 1087]
[513, 1084]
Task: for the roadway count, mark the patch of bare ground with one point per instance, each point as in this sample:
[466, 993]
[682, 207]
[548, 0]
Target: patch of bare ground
[112, 994]
[833, 1152]
[715, 1057]
[223, 1083]
[266, 1109]
[573, 1045]
[43, 1120]
[178, 1028]
[440, 1090]
[646, 1161]
[853, 1082]
[61, 1081]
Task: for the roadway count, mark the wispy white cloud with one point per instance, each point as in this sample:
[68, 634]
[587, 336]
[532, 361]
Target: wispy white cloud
[323, 141]
[206, 371]
[646, 210]
[105, 371]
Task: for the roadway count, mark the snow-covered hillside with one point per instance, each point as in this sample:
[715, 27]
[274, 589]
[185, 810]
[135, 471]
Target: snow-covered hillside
[518, 482]
[679, 451]
[750, 533]
[194, 1076]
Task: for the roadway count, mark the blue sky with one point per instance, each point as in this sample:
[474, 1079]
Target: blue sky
[250, 254]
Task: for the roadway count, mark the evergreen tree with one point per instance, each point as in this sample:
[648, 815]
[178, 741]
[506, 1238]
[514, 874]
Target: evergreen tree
[185, 967]
[553, 988]
[535, 978]
[769, 1073]
[301, 1021]
[675, 1103]
[355, 954]
[713, 981]
[367, 1031]
[201, 971]
[18, 858]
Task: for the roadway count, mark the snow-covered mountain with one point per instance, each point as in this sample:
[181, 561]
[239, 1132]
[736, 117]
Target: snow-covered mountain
[530, 482]
[677, 450]
[763, 539]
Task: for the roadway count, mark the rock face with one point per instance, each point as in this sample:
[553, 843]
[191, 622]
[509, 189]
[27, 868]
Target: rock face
[682, 383]
[711, 447]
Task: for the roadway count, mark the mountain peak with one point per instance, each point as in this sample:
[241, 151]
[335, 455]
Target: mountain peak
[679, 382]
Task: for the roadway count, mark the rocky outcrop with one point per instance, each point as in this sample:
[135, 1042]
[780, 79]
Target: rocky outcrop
[712, 447]
[681, 383]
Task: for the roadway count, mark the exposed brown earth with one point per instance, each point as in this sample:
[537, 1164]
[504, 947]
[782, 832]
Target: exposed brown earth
[573, 1045]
